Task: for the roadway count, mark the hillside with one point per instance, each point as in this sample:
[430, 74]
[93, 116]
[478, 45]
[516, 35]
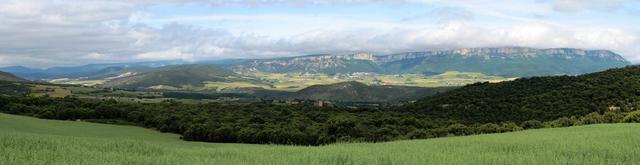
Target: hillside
[541, 98]
[503, 61]
[358, 92]
[80, 71]
[4, 76]
[87, 143]
[326, 63]
[177, 77]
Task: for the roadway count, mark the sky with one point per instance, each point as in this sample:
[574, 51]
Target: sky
[47, 33]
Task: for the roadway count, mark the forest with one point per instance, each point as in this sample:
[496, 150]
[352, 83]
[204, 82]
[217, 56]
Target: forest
[263, 123]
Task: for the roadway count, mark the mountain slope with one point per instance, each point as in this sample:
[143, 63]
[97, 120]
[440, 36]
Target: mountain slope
[79, 71]
[541, 98]
[504, 61]
[4, 76]
[177, 76]
[519, 62]
[358, 92]
[330, 64]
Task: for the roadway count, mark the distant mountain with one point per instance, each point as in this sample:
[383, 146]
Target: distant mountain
[504, 61]
[358, 92]
[540, 98]
[79, 71]
[325, 63]
[177, 76]
[4, 76]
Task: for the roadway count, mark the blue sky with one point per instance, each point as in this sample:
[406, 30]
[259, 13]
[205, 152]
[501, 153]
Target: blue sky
[45, 33]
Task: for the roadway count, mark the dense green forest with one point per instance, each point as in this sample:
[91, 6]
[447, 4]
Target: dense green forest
[540, 98]
[267, 123]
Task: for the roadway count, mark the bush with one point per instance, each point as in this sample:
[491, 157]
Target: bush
[458, 129]
[510, 127]
[612, 117]
[562, 122]
[532, 124]
[489, 128]
[591, 118]
[632, 117]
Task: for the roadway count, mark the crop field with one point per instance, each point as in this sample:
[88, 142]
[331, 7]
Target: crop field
[50, 90]
[293, 82]
[26, 140]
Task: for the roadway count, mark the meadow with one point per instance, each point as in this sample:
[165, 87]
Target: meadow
[26, 140]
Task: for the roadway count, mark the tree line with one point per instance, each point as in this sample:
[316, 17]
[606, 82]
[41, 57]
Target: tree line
[264, 123]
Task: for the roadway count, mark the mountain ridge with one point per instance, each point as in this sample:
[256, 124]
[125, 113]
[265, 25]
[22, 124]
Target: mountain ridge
[4, 76]
[499, 61]
[503, 61]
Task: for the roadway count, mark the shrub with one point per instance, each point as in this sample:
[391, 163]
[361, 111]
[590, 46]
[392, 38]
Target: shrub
[510, 127]
[489, 128]
[562, 122]
[532, 124]
[632, 117]
[458, 129]
[612, 117]
[591, 118]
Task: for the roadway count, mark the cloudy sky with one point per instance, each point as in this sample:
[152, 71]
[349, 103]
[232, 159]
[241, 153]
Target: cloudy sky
[45, 33]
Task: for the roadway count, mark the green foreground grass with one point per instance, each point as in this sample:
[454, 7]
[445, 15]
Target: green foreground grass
[26, 140]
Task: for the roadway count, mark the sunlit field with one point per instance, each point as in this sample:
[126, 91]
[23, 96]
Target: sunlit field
[26, 140]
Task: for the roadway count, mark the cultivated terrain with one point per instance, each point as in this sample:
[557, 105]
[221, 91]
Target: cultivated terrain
[26, 140]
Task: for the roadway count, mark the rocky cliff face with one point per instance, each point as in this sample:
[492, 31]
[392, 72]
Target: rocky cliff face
[504, 52]
[506, 61]
[357, 62]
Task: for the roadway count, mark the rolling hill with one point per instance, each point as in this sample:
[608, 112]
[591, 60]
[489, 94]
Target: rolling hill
[79, 71]
[178, 76]
[502, 61]
[4, 76]
[358, 92]
[541, 98]
[27, 140]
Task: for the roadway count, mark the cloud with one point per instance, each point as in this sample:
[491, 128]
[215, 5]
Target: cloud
[219, 3]
[445, 36]
[50, 33]
[582, 5]
[443, 14]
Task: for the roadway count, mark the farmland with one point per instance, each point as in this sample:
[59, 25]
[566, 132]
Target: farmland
[26, 140]
[297, 81]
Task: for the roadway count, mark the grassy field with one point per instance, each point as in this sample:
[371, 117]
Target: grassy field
[25, 140]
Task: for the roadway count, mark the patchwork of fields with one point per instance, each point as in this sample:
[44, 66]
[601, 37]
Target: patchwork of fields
[295, 82]
[26, 140]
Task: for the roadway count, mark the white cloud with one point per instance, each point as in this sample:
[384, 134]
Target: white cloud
[581, 5]
[170, 54]
[48, 33]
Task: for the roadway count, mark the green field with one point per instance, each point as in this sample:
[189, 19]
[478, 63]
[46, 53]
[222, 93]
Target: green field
[26, 140]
